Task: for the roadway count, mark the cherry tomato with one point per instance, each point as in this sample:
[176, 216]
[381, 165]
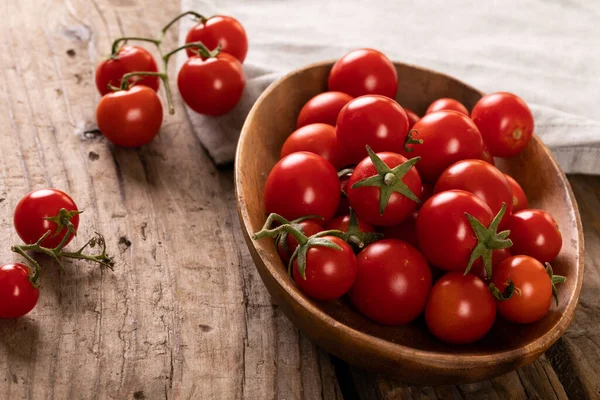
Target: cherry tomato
[128, 59]
[534, 233]
[535, 289]
[223, 30]
[323, 108]
[412, 117]
[505, 122]
[314, 138]
[344, 206]
[486, 155]
[364, 71]
[376, 121]
[518, 195]
[39, 204]
[130, 118]
[392, 284]
[17, 295]
[366, 200]
[480, 178]
[302, 184]
[342, 222]
[308, 227]
[212, 86]
[447, 104]
[329, 272]
[497, 257]
[448, 137]
[405, 230]
[460, 309]
[444, 233]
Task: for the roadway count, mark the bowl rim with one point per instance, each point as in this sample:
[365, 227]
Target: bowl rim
[537, 346]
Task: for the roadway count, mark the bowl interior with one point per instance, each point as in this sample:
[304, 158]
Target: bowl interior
[273, 119]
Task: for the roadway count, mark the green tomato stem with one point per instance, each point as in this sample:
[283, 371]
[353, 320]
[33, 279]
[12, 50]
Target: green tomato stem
[117, 43]
[197, 16]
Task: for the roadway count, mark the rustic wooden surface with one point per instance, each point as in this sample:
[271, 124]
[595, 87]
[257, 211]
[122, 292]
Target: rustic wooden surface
[184, 314]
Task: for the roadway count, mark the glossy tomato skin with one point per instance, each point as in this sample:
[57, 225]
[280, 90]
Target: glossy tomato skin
[128, 59]
[323, 108]
[34, 207]
[392, 284]
[365, 200]
[505, 122]
[342, 222]
[344, 206]
[315, 138]
[460, 308]
[213, 86]
[486, 155]
[498, 256]
[448, 137]
[534, 233]
[376, 121]
[518, 194]
[309, 228]
[405, 230]
[447, 104]
[535, 298]
[130, 118]
[220, 29]
[413, 118]
[330, 273]
[302, 184]
[17, 294]
[364, 71]
[445, 235]
[480, 178]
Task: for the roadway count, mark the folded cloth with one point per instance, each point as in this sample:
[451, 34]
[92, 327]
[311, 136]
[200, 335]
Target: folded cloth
[545, 52]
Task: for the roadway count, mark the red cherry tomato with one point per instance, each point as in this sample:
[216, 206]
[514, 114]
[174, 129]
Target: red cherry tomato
[480, 178]
[302, 184]
[365, 200]
[309, 228]
[448, 137]
[212, 86]
[329, 272]
[323, 108]
[364, 71]
[534, 284]
[518, 195]
[17, 295]
[128, 59]
[342, 222]
[447, 104]
[39, 204]
[376, 121]
[497, 257]
[130, 118]
[534, 233]
[445, 235]
[460, 309]
[505, 122]
[314, 138]
[486, 155]
[344, 206]
[392, 284]
[405, 231]
[413, 118]
[220, 29]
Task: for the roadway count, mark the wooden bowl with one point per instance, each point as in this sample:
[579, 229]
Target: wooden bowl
[408, 352]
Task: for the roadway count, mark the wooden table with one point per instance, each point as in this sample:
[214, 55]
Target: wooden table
[184, 314]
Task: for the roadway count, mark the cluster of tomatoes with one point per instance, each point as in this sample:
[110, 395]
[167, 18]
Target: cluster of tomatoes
[210, 82]
[371, 201]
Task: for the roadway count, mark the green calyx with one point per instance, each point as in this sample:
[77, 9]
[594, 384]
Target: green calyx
[281, 239]
[62, 220]
[411, 140]
[388, 180]
[355, 237]
[554, 279]
[508, 292]
[488, 240]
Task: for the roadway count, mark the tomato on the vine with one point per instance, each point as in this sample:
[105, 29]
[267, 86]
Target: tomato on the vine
[392, 284]
[497, 257]
[447, 104]
[376, 121]
[33, 209]
[212, 86]
[302, 184]
[447, 137]
[220, 29]
[505, 122]
[308, 227]
[534, 233]
[364, 71]
[518, 194]
[460, 309]
[323, 108]
[130, 118]
[316, 138]
[341, 223]
[128, 59]
[18, 296]
[413, 118]
[344, 206]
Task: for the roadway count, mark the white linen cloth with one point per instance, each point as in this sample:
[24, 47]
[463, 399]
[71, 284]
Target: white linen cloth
[546, 52]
